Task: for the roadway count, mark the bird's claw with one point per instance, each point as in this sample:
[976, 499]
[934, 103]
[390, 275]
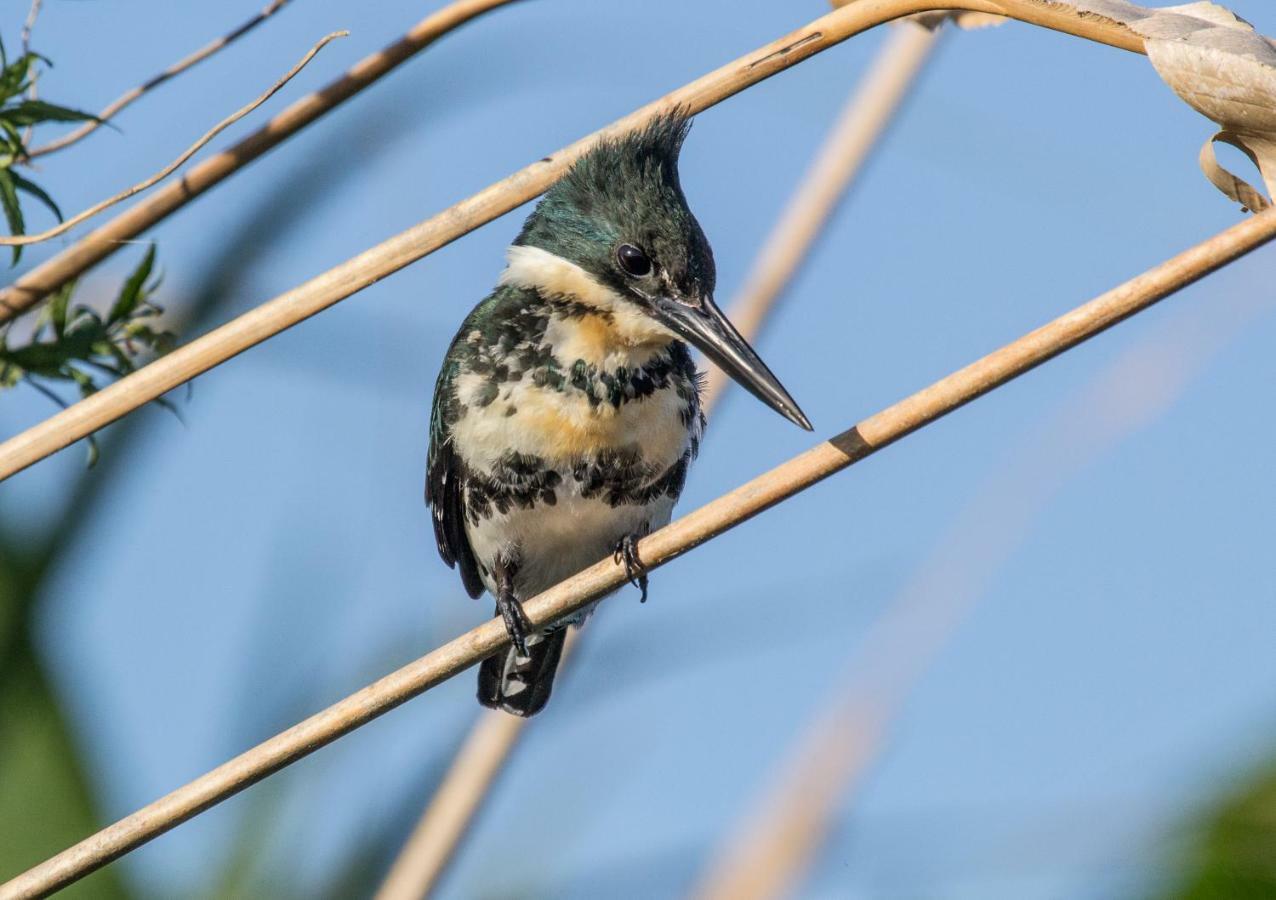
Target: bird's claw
[517, 625]
[635, 569]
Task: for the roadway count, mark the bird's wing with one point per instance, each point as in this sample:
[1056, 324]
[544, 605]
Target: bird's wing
[445, 489]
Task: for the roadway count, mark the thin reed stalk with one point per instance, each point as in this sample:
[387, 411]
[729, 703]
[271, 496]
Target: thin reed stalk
[24, 240]
[128, 97]
[564, 599]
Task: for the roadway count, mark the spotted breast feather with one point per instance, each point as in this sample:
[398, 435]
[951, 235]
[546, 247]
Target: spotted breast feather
[548, 444]
[555, 435]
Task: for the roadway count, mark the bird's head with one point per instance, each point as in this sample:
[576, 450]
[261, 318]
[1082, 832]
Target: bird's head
[620, 216]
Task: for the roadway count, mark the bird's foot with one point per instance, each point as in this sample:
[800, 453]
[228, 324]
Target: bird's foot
[517, 625]
[635, 569]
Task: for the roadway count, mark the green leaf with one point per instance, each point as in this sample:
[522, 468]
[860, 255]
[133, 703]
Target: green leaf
[132, 293]
[10, 374]
[84, 321]
[57, 308]
[12, 210]
[159, 341]
[13, 78]
[33, 112]
[37, 192]
[41, 359]
[134, 289]
[14, 144]
[83, 380]
[166, 404]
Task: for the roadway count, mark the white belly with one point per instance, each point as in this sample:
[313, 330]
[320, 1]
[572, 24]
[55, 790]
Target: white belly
[551, 543]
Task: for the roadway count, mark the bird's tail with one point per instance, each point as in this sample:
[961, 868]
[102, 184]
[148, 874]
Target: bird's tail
[520, 685]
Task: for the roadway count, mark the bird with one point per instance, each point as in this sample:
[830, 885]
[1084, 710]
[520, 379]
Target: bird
[567, 408]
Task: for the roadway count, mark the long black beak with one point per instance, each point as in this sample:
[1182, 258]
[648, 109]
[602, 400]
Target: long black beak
[706, 328]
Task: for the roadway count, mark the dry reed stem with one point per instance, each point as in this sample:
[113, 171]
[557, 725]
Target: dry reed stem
[172, 71]
[870, 107]
[679, 537]
[72, 262]
[67, 225]
[28, 28]
[270, 318]
[28, 24]
[456, 801]
[763, 862]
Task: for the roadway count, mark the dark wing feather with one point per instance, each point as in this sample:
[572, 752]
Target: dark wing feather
[445, 489]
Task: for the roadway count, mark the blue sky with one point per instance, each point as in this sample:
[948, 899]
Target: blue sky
[1101, 527]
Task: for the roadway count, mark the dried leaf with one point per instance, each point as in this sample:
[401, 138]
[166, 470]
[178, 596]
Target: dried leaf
[1236, 188]
[1220, 66]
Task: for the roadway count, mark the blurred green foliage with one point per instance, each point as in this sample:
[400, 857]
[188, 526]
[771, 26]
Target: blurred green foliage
[76, 344]
[46, 803]
[48, 799]
[1235, 855]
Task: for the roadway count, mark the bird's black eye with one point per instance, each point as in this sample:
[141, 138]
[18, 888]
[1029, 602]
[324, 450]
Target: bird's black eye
[633, 260]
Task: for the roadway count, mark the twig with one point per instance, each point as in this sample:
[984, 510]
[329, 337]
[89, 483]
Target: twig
[24, 240]
[72, 262]
[28, 26]
[350, 277]
[869, 109]
[690, 531]
[172, 71]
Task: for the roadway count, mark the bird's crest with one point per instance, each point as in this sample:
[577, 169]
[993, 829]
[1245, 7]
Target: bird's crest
[640, 160]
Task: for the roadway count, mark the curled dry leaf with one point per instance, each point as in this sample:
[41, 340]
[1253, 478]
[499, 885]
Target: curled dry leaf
[1224, 69]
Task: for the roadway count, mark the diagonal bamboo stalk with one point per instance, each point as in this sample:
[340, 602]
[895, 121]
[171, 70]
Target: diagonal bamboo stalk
[274, 316]
[864, 117]
[177, 68]
[72, 262]
[23, 240]
[784, 481]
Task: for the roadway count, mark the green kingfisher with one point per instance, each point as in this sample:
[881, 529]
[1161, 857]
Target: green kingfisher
[567, 411]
